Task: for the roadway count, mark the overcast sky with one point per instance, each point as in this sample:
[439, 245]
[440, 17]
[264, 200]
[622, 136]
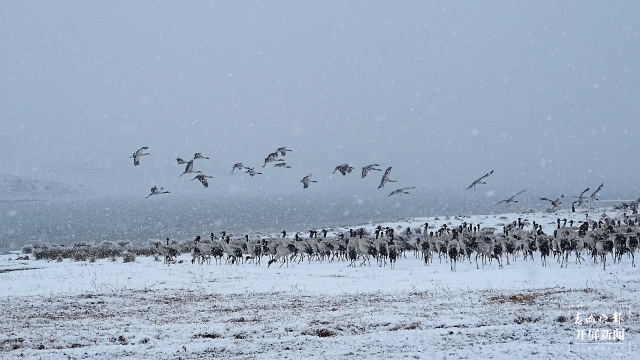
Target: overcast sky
[545, 93]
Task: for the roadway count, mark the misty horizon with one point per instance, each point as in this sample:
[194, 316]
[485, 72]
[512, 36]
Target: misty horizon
[544, 94]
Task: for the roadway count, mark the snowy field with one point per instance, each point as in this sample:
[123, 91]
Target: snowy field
[148, 309]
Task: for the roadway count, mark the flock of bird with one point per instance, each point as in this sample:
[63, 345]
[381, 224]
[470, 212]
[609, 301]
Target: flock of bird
[344, 169]
[597, 239]
[275, 156]
[555, 204]
[453, 243]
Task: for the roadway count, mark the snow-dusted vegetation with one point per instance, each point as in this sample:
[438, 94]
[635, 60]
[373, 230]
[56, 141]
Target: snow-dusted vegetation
[101, 306]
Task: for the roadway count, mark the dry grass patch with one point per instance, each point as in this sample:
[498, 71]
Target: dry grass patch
[522, 319]
[531, 297]
[11, 344]
[516, 299]
[320, 333]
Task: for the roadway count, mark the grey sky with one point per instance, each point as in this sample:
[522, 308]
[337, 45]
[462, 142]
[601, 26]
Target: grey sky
[544, 93]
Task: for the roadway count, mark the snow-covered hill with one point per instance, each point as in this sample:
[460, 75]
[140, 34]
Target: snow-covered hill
[13, 188]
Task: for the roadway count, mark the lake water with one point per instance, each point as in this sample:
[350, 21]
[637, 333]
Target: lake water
[159, 217]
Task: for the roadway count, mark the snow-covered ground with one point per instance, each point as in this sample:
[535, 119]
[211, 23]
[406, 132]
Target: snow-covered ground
[147, 309]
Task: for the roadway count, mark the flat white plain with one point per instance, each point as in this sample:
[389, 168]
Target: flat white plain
[147, 309]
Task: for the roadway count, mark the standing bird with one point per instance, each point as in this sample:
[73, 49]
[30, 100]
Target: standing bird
[401, 191]
[252, 172]
[385, 178]
[138, 154]
[555, 203]
[199, 156]
[511, 199]
[366, 169]
[479, 181]
[156, 191]
[189, 169]
[343, 168]
[595, 193]
[203, 179]
[238, 166]
[283, 151]
[306, 181]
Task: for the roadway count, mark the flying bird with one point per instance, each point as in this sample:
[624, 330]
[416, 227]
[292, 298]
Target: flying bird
[283, 151]
[401, 191]
[156, 191]
[385, 178]
[252, 172]
[580, 198]
[306, 181]
[344, 169]
[138, 154]
[366, 169]
[203, 179]
[511, 199]
[555, 203]
[199, 156]
[189, 168]
[479, 181]
[238, 166]
[282, 165]
[271, 157]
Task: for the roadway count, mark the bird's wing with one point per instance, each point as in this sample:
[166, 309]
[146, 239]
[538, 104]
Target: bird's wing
[597, 190]
[305, 182]
[520, 192]
[485, 175]
[385, 177]
[543, 198]
[500, 202]
[202, 178]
